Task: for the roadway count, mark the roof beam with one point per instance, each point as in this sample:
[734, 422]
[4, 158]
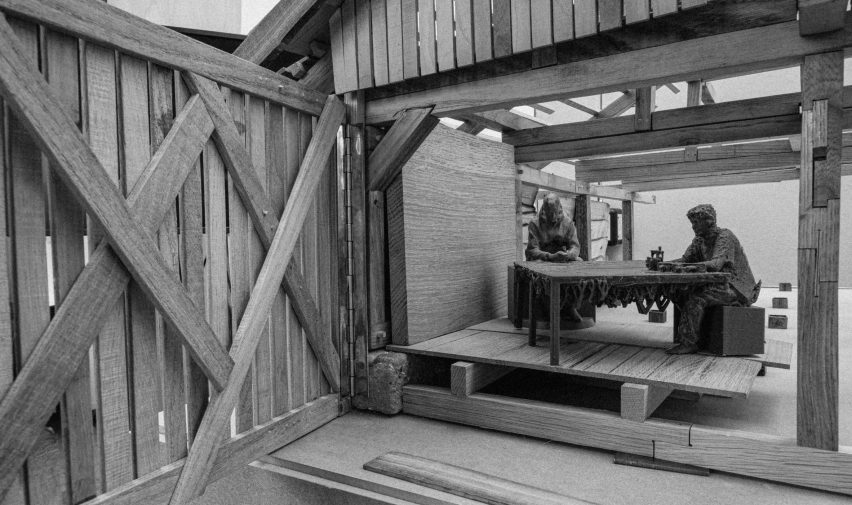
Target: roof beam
[580, 107]
[400, 143]
[820, 16]
[267, 34]
[734, 179]
[728, 54]
[552, 182]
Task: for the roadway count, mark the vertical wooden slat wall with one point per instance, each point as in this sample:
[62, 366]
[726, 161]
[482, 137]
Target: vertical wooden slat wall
[376, 42]
[143, 389]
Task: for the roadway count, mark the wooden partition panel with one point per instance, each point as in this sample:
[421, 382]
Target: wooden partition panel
[136, 401]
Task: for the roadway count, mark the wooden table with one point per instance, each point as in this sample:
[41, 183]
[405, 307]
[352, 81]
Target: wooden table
[610, 283]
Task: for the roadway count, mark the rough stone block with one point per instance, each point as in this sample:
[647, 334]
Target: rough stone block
[387, 374]
[657, 316]
[777, 321]
[779, 303]
[785, 286]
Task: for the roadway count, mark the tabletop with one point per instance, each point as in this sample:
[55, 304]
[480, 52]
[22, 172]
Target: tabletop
[614, 272]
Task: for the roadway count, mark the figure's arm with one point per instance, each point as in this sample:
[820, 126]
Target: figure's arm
[573, 243]
[722, 252]
[533, 252]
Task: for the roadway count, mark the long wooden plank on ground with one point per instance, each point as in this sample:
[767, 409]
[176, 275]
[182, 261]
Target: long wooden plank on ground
[463, 481]
[271, 30]
[92, 298]
[195, 475]
[398, 145]
[67, 220]
[750, 50]
[157, 488]
[167, 47]
[260, 210]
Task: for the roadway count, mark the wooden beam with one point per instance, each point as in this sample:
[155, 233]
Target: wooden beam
[467, 378]
[113, 27]
[195, 474]
[477, 486]
[639, 401]
[156, 488]
[750, 50]
[320, 76]
[502, 120]
[820, 16]
[708, 180]
[757, 455]
[708, 93]
[397, 146]
[580, 107]
[553, 182]
[626, 230]
[268, 33]
[620, 105]
[41, 381]
[239, 165]
[645, 105]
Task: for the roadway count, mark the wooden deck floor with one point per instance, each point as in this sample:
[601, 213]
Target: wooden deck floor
[599, 352]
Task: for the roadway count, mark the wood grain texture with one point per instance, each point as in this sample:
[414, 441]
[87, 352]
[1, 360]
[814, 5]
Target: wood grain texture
[363, 38]
[463, 482]
[521, 28]
[379, 35]
[194, 476]
[585, 19]
[541, 23]
[626, 230]
[502, 31]
[428, 42]
[435, 217]
[482, 30]
[820, 16]
[379, 320]
[161, 45]
[552, 182]
[636, 10]
[350, 46]
[335, 35]
[464, 32]
[563, 20]
[445, 35]
[467, 378]
[394, 40]
[639, 401]
[610, 14]
[394, 198]
[410, 46]
[663, 7]
[398, 145]
[272, 29]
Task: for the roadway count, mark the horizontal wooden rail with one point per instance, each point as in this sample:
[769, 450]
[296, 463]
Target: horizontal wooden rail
[533, 177]
[113, 27]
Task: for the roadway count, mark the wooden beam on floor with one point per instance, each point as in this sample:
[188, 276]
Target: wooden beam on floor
[463, 482]
[639, 401]
[553, 182]
[752, 50]
[268, 33]
[195, 474]
[821, 16]
[467, 378]
[397, 146]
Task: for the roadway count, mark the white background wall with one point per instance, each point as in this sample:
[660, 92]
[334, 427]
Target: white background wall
[226, 16]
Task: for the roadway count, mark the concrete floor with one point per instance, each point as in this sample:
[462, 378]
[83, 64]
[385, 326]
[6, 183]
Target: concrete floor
[339, 449]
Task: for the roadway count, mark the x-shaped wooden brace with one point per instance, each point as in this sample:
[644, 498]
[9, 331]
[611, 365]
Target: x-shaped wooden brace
[127, 223]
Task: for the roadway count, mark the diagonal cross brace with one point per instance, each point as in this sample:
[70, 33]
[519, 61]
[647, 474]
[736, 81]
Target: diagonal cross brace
[57, 355]
[196, 471]
[238, 162]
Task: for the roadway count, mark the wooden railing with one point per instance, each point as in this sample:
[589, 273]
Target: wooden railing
[140, 201]
[377, 42]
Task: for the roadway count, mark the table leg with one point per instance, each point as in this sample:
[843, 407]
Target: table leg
[516, 294]
[554, 321]
[675, 323]
[531, 313]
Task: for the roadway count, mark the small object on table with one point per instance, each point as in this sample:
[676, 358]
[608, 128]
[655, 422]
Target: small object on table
[682, 268]
[653, 261]
[779, 303]
[785, 286]
[657, 316]
[777, 322]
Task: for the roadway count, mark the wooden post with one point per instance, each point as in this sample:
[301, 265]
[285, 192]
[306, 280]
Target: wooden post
[645, 105]
[819, 230]
[555, 307]
[627, 230]
[379, 334]
[583, 222]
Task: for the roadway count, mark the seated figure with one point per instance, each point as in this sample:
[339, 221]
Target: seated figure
[719, 251]
[552, 236]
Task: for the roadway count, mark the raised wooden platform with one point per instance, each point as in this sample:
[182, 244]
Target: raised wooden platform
[600, 352]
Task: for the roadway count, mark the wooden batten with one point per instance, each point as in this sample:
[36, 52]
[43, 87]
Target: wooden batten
[552, 182]
[467, 378]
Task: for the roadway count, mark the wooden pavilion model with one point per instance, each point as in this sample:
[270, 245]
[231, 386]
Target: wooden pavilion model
[223, 240]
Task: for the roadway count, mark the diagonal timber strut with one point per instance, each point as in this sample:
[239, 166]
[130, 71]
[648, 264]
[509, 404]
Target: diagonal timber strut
[242, 172]
[196, 471]
[59, 351]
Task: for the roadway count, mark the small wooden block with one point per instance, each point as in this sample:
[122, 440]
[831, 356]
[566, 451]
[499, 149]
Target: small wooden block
[777, 321]
[785, 286]
[639, 401]
[779, 303]
[657, 316]
[623, 458]
[468, 378]
[734, 331]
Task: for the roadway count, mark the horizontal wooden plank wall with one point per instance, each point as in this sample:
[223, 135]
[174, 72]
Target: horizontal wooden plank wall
[144, 390]
[370, 37]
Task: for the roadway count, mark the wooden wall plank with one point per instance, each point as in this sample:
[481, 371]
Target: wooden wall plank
[563, 20]
[663, 7]
[147, 391]
[585, 19]
[394, 40]
[112, 420]
[482, 30]
[296, 339]
[378, 9]
[445, 37]
[310, 264]
[521, 30]
[502, 28]
[327, 274]
[394, 198]
[350, 46]
[410, 45]
[636, 11]
[609, 14]
[364, 43]
[68, 227]
[193, 259]
[541, 20]
[426, 24]
[464, 32]
[335, 35]
[379, 327]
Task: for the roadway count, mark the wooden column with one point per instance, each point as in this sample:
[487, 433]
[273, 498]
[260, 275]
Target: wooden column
[359, 309]
[645, 105]
[583, 222]
[379, 334]
[627, 230]
[819, 230]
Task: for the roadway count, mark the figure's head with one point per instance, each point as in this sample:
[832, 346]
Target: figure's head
[702, 217]
[551, 210]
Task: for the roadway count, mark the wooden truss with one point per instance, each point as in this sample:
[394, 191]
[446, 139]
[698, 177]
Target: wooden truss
[129, 251]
